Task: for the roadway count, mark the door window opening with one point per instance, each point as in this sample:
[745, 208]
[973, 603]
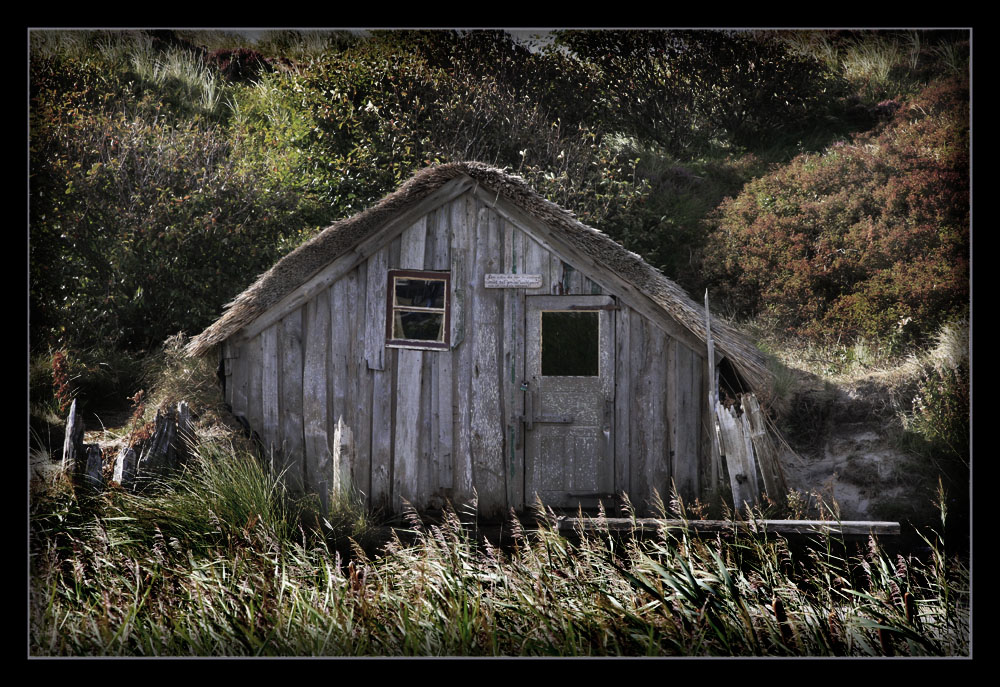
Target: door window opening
[570, 343]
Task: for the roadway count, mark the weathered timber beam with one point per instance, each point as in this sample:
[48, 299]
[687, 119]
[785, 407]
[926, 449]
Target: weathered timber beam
[848, 527]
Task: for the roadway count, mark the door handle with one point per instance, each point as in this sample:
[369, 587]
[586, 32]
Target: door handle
[529, 418]
[558, 419]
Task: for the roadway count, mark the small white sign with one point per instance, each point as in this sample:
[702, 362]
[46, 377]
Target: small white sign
[513, 281]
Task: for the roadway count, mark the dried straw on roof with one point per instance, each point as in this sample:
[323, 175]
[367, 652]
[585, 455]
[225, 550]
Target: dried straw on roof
[298, 266]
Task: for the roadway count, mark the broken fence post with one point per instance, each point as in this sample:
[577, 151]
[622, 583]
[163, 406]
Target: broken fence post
[125, 467]
[94, 475]
[74, 451]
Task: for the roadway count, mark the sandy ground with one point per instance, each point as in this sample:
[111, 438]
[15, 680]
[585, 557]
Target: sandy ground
[856, 466]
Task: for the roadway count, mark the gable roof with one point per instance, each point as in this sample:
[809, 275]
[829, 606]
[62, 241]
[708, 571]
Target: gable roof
[307, 260]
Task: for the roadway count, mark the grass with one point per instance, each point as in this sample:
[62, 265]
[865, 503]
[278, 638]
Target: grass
[171, 575]
[880, 65]
[221, 560]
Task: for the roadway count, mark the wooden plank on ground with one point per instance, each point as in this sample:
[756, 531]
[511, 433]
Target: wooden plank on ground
[654, 525]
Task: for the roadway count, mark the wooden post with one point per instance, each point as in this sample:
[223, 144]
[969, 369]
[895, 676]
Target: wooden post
[125, 465]
[94, 477]
[185, 433]
[713, 399]
[343, 459]
[74, 451]
[159, 454]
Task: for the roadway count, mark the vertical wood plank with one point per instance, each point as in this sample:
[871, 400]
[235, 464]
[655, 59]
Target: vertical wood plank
[650, 458]
[376, 354]
[441, 387]
[767, 455]
[514, 374]
[487, 411]
[622, 399]
[464, 283]
[536, 261]
[710, 443]
[572, 280]
[412, 245]
[239, 381]
[426, 459]
[340, 337]
[460, 266]
[737, 449]
[376, 276]
[670, 418]
[361, 383]
[408, 429]
[383, 406]
[381, 433]
[290, 383]
[686, 411]
[255, 416]
[316, 338]
[556, 285]
[270, 392]
[227, 370]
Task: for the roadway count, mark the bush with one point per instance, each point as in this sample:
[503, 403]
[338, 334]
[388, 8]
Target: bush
[140, 226]
[857, 240]
[687, 90]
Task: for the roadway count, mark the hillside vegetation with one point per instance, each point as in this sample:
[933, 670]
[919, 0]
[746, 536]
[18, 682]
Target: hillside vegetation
[816, 183]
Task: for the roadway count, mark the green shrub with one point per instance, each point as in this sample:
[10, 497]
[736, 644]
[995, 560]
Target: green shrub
[139, 226]
[855, 241]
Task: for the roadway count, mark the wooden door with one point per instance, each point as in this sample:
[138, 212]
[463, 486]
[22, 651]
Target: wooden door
[569, 400]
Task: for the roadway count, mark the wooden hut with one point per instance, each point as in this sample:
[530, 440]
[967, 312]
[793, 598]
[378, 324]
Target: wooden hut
[466, 336]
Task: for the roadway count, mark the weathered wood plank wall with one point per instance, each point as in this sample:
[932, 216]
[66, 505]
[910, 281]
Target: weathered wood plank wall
[427, 426]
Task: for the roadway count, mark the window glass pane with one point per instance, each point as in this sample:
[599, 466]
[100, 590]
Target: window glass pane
[422, 293]
[570, 344]
[419, 326]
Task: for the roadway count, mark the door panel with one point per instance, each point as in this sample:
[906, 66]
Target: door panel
[569, 418]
